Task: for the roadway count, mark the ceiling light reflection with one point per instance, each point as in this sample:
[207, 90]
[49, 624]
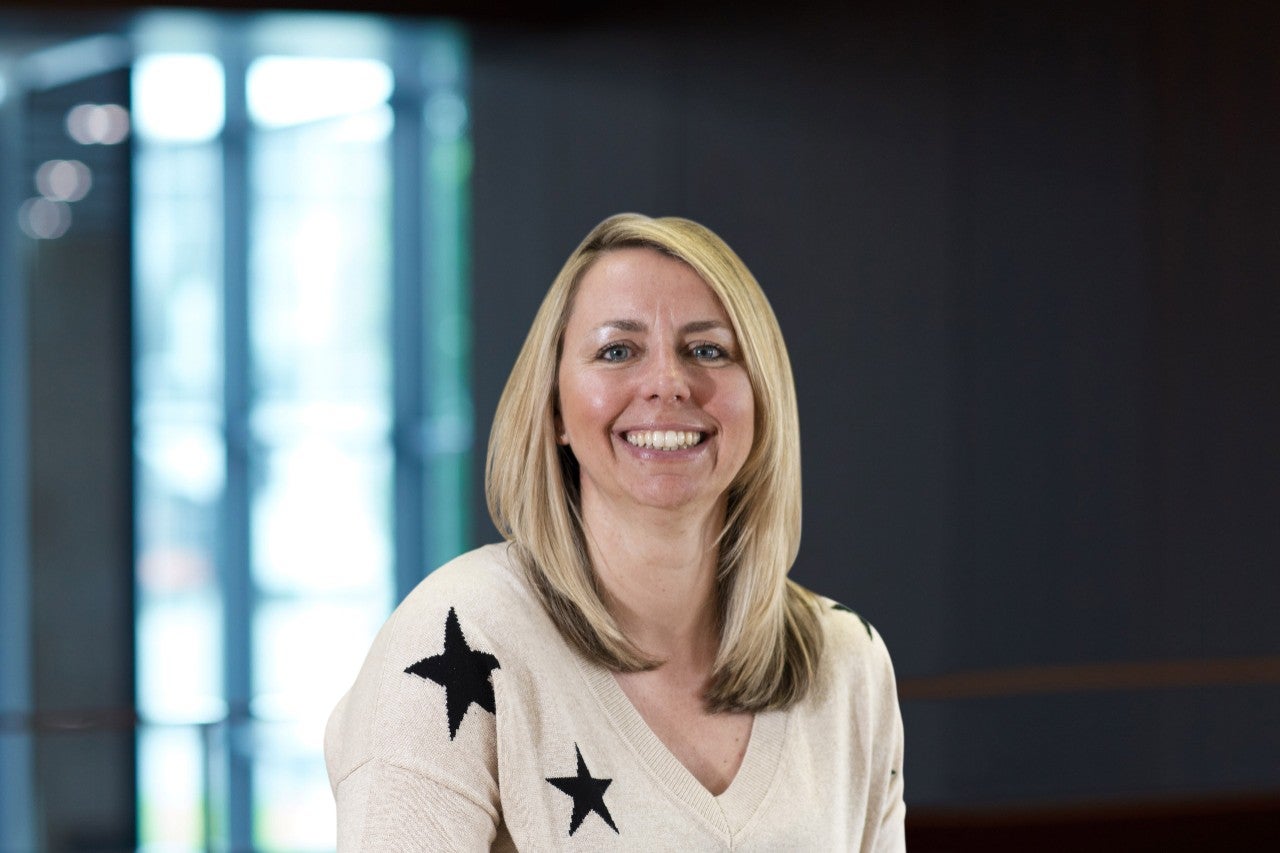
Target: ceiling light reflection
[42, 219]
[101, 124]
[63, 180]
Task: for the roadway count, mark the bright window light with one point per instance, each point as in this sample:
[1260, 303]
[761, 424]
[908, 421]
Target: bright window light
[288, 90]
[246, 642]
[178, 97]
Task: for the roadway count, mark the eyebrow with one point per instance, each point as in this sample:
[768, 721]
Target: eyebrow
[637, 326]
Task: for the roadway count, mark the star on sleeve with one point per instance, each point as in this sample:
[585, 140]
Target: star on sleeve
[464, 673]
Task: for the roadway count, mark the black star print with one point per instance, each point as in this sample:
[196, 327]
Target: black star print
[587, 793]
[463, 672]
[865, 623]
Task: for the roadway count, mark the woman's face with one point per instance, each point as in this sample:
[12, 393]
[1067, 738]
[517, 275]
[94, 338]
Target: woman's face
[654, 399]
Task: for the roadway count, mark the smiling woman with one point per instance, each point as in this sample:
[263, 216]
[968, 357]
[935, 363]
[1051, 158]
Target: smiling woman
[632, 669]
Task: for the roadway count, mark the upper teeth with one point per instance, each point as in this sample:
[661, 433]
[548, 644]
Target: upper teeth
[664, 439]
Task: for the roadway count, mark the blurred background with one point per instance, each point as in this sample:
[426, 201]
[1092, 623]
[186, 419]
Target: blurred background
[263, 273]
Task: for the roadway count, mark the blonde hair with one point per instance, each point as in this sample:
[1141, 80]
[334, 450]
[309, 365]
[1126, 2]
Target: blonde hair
[770, 640]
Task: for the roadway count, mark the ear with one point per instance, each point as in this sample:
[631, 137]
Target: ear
[562, 437]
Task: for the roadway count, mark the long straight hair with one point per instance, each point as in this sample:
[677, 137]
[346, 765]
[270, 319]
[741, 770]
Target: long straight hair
[770, 639]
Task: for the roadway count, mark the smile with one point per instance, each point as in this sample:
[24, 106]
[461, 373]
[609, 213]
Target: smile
[669, 439]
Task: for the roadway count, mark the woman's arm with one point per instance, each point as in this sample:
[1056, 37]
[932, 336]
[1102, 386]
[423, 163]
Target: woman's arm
[891, 833]
[382, 807]
[412, 748]
[890, 830]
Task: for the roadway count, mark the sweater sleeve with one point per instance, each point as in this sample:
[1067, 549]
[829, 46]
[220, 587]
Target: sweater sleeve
[890, 831]
[412, 748]
[382, 807]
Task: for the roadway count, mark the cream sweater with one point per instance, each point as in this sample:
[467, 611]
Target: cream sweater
[473, 726]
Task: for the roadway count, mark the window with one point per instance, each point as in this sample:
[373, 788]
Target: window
[302, 419]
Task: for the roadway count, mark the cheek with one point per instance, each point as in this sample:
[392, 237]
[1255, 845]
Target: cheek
[738, 410]
[585, 401]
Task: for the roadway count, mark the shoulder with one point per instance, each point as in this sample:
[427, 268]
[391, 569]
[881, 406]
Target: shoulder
[426, 680]
[482, 594]
[485, 586]
[861, 721]
[853, 711]
[473, 578]
[855, 657]
[479, 598]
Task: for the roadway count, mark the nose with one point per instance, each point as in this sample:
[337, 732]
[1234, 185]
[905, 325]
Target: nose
[667, 378]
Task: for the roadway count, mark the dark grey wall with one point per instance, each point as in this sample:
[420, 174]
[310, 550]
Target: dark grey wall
[1025, 260]
[77, 539]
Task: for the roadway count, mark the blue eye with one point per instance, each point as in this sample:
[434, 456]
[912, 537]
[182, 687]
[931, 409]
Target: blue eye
[615, 352]
[707, 352]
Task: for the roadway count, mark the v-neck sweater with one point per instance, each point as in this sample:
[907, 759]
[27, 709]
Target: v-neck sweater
[473, 725]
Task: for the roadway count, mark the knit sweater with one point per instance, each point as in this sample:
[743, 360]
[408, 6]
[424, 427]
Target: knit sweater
[473, 725]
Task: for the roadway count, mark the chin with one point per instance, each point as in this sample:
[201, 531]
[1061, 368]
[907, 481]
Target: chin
[675, 499]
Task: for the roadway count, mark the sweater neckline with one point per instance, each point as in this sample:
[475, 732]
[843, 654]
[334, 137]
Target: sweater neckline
[729, 812]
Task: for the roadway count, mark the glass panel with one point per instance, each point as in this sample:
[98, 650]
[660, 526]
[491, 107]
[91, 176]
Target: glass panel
[320, 419]
[179, 631]
[177, 271]
[295, 809]
[321, 518]
[307, 652]
[320, 262]
[180, 453]
[321, 515]
[171, 796]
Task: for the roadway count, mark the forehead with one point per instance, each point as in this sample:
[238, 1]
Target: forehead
[646, 285]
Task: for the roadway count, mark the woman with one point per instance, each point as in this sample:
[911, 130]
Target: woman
[632, 669]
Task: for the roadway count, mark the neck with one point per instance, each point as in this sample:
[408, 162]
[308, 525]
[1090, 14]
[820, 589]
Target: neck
[657, 570]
